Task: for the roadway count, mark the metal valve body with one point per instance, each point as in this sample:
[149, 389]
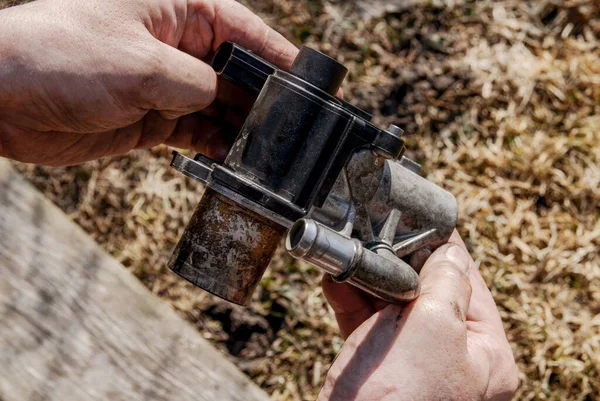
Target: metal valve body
[307, 161]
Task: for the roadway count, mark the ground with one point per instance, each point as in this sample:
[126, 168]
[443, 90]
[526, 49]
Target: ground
[500, 100]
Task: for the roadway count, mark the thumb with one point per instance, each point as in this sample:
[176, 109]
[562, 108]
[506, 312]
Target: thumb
[179, 85]
[445, 284]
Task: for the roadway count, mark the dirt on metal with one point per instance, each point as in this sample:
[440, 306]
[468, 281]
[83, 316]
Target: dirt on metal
[500, 102]
[226, 248]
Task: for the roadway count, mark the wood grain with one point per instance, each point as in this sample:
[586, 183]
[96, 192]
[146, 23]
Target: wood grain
[75, 325]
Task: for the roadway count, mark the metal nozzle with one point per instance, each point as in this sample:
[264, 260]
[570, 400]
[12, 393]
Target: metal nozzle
[322, 247]
[384, 276]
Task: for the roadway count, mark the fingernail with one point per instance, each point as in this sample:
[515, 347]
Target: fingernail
[459, 256]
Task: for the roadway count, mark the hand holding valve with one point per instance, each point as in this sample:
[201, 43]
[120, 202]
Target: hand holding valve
[83, 80]
[308, 160]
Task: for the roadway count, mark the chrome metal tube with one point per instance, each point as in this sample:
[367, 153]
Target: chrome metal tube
[384, 276]
[323, 247]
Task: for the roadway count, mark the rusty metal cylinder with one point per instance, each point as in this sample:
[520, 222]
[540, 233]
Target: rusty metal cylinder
[226, 248]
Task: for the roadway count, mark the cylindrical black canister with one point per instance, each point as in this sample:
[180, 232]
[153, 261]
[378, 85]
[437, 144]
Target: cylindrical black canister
[289, 138]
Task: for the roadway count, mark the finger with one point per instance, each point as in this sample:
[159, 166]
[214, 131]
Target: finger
[445, 284]
[204, 135]
[224, 115]
[192, 129]
[418, 258]
[349, 303]
[377, 303]
[456, 239]
[233, 22]
[232, 104]
[155, 130]
[482, 307]
[151, 131]
[178, 84]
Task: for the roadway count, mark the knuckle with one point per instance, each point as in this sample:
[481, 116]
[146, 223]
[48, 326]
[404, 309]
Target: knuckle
[450, 273]
[442, 314]
[149, 78]
[454, 327]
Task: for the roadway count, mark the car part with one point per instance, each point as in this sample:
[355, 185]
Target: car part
[308, 162]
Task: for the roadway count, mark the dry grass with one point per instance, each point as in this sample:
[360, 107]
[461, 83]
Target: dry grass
[501, 103]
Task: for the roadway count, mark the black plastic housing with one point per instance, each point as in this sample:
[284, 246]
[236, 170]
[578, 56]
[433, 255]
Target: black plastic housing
[242, 67]
[298, 135]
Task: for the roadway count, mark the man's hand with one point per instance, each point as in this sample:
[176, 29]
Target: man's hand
[82, 80]
[448, 344]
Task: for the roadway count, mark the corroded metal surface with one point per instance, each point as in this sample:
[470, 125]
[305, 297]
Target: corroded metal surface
[304, 155]
[225, 248]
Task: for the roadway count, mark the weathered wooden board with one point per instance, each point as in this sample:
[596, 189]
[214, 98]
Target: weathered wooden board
[75, 325]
